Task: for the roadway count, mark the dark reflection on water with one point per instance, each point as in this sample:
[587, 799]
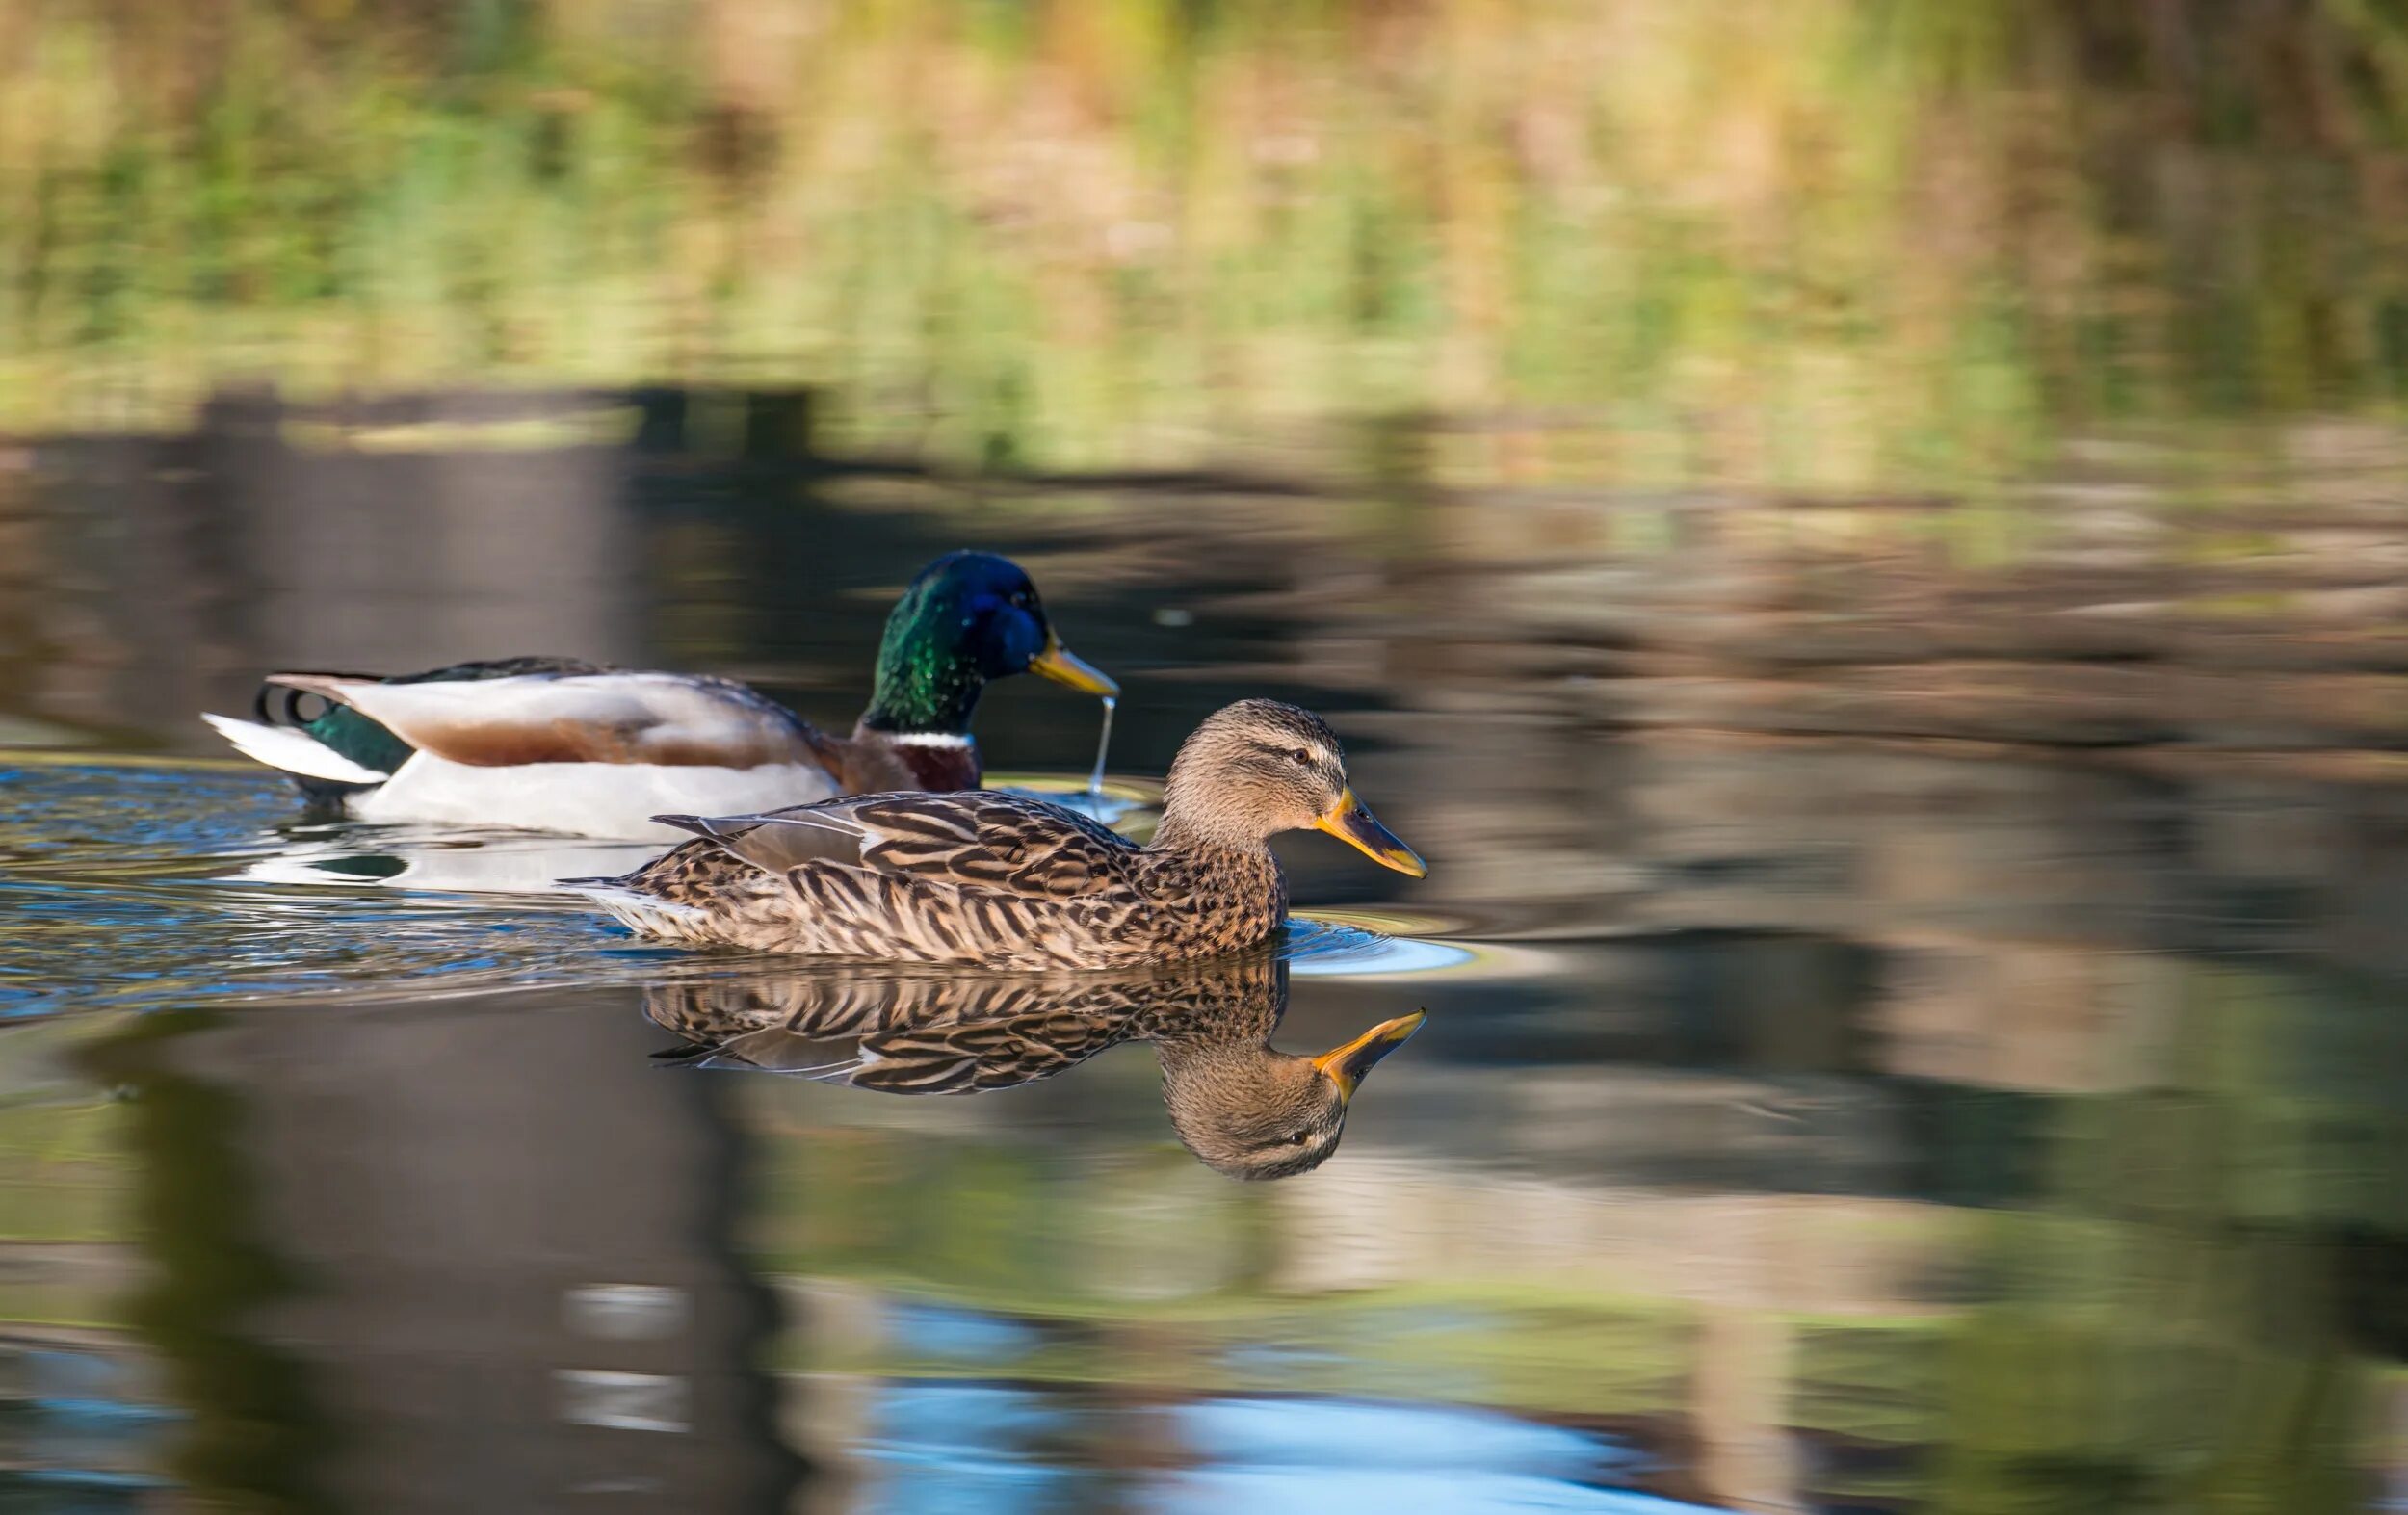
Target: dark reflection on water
[389, 1271]
[1906, 1030]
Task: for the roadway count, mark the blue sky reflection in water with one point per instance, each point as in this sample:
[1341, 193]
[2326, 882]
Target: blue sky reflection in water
[984, 1446]
[1862, 540]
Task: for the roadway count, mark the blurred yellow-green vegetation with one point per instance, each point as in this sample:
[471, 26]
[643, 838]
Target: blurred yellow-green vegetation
[1819, 243]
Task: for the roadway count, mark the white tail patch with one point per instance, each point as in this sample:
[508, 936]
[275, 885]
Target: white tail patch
[293, 751]
[649, 915]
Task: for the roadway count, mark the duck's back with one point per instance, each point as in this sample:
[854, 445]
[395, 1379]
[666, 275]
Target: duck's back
[544, 743]
[1000, 880]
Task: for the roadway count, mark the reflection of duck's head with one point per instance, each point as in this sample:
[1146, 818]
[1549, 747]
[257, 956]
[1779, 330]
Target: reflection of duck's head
[1254, 1113]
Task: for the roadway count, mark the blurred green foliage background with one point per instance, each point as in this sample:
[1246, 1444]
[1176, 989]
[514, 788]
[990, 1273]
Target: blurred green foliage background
[1827, 242]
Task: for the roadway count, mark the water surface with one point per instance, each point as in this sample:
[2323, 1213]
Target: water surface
[1851, 1120]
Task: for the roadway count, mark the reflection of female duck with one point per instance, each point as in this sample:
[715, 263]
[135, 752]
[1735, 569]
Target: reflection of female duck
[1242, 1106]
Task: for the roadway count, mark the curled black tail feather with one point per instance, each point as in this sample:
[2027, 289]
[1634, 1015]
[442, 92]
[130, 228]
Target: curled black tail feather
[279, 704]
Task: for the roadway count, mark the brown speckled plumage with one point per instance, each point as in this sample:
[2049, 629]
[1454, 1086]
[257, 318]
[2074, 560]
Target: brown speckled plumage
[1010, 882]
[1240, 1104]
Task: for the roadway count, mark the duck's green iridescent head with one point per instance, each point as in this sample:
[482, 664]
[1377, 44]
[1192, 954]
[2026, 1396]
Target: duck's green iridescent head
[969, 618]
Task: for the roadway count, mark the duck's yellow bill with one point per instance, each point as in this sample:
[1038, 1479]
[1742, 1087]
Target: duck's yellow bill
[1350, 822]
[1066, 666]
[1344, 1066]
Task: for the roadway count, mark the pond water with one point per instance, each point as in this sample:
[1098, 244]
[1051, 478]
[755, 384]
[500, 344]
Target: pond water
[1866, 542]
[1855, 1111]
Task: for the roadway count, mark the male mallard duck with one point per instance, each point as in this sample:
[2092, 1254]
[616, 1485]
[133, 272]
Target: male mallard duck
[1013, 882]
[553, 744]
[1241, 1105]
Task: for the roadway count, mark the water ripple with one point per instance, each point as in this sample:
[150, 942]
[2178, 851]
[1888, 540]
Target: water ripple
[134, 886]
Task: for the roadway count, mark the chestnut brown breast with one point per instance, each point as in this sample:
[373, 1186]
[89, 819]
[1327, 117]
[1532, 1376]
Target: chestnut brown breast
[872, 763]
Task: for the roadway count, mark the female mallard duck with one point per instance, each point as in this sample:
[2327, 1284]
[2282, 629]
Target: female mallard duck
[1237, 1101]
[553, 744]
[1011, 882]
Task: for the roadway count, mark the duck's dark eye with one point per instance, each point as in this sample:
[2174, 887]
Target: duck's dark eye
[1297, 1138]
[1303, 756]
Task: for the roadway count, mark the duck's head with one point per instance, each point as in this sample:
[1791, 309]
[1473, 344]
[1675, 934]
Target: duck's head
[1255, 1114]
[1258, 768]
[970, 617]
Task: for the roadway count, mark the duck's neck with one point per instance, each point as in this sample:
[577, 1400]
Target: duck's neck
[936, 762]
[922, 691]
[1183, 830]
[1191, 1034]
[1208, 1063]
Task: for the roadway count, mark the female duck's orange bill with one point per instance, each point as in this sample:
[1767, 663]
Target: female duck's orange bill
[1344, 1066]
[1350, 822]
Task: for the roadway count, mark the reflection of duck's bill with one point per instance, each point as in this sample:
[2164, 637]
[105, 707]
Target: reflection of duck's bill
[1351, 823]
[1344, 1066]
[1066, 666]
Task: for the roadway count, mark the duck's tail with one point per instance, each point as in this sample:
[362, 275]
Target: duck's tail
[644, 913]
[311, 761]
